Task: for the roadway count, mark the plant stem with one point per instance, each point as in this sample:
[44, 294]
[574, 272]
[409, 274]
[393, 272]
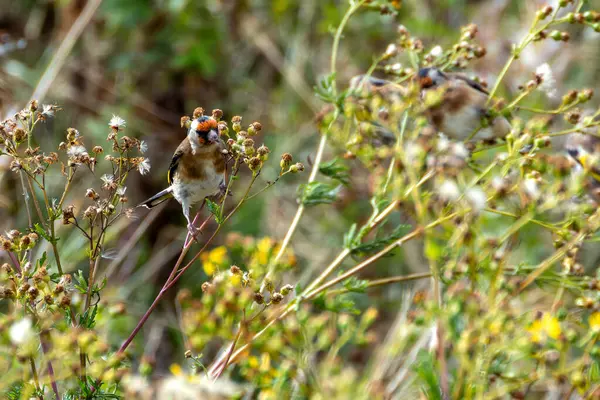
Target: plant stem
[50, 369]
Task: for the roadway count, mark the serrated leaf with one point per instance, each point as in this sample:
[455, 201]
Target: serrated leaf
[336, 169]
[314, 193]
[41, 232]
[215, 210]
[80, 282]
[353, 284]
[378, 244]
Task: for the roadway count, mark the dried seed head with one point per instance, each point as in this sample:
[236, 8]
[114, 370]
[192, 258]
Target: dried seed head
[217, 114]
[259, 298]
[185, 122]
[198, 112]
[276, 298]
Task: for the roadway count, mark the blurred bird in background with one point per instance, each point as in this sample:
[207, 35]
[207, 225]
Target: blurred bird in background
[585, 150]
[460, 111]
[197, 169]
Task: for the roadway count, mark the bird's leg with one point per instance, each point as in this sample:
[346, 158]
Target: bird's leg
[223, 189]
[192, 231]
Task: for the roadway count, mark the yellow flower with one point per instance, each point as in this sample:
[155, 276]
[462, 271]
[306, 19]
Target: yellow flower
[218, 255]
[264, 245]
[595, 322]
[209, 268]
[547, 326]
[176, 369]
[253, 362]
[212, 260]
[235, 279]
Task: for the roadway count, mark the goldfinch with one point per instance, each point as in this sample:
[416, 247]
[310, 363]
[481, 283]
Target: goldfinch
[585, 150]
[197, 169]
[461, 112]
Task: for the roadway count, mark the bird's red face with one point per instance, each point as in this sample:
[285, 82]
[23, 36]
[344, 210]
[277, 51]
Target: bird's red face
[207, 130]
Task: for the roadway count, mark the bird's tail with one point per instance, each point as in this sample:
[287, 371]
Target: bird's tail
[157, 198]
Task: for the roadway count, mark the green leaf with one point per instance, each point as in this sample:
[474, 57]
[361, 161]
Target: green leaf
[335, 304]
[324, 89]
[353, 284]
[315, 193]
[215, 210]
[80, 282]
[40, 231]
[426, 371]
[336, 169]
[378, 244]
[88, 319]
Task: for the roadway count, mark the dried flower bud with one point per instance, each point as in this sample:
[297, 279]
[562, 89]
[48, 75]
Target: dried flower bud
[286, 161]
[72, 134]
[263, 152]
[234, 269]
[98, 149]
[573, 116]
[90, 212]
[33, 293]
[297, 168]
[185, 122]
[223, 129]
[198, 112]
[276, 298]
[15, 166]
[91, 193]
[188, 354]
[286, 289]
[33, 105]
[19, 134]
[206, 287]
[585, 95]
[254, 164]
[65, 301]
[259, 298]
[217, 114]
[68, 214]
[62, 146]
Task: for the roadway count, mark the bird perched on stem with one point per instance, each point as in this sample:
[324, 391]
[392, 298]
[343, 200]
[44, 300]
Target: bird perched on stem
[456, 106]
[585, 150]
[197, 169]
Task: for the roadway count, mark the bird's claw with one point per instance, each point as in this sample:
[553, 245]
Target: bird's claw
[193, 230]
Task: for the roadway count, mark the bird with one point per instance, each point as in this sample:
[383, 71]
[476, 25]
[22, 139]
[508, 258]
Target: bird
[461, 112]
[197, 169]
[585, 150]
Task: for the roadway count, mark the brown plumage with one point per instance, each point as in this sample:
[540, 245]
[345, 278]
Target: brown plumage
[462, 109]
[197, 168]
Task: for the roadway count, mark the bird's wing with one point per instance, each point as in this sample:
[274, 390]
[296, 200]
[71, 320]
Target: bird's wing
[174, 164]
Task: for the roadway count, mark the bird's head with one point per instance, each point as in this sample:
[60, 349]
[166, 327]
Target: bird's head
[204, 130]
[430, 78]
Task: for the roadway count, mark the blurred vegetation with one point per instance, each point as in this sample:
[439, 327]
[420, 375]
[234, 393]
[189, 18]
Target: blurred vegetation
[382, 331]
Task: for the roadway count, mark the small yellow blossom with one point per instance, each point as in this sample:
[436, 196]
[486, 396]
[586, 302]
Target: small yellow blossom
[212, 260]
[253, 362]
[547, 326]
[176, 369]
[235, 279]
[263, 250]
[595, 322]
[265, 362]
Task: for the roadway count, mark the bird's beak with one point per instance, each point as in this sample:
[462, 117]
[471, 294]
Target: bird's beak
[213, 136]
